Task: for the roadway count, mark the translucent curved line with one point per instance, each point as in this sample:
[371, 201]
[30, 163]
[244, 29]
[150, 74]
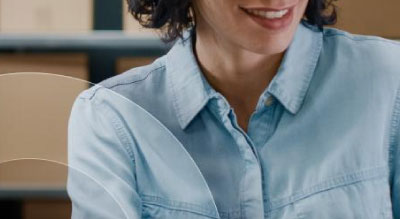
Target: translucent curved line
[76, 169]
[44, 73]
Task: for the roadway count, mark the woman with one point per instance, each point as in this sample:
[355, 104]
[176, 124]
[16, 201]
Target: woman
[257, 111]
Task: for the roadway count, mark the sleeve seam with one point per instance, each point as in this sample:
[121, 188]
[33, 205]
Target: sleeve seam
[394, 133]
[100, 107]
[119, 129]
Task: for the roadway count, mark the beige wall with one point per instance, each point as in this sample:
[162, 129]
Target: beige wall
[68, 64]
[34, 115]
[370, 17]
[125, 63]
[46, 15]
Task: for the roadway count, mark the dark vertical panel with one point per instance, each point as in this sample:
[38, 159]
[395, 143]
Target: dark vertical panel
[107, 14]
[11, 209]
[102, 65]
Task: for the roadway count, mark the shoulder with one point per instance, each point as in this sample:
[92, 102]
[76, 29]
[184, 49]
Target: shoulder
[334, 34]
[366, 49]
[363, 59]
[129, 83]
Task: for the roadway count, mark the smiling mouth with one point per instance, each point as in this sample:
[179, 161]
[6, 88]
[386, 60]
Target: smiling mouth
[268, 14]
[272, 19]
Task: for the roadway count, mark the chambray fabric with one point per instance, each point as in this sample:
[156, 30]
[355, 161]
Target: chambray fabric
[323, 142]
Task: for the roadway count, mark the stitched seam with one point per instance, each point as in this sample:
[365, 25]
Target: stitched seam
[362, 38]
[119, 129]
[177, 205]
[191, 159]
[336, 182]
[231, 215]
[81, 95]
[139, 80]
[175, 209]
[200, 105]
[313, 64]
[121, 135]
[174, 102]
[96, 104]
[126, 83]
[124, 140]
[394, 134]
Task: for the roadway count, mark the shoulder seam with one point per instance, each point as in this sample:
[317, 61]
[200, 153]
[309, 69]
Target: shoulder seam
[365, 38]
[125, 83]
[134, 81]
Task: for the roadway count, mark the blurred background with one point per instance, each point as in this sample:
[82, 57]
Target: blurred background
[90, 40]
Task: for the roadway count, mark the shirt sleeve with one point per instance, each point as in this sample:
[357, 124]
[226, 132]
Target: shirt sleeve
[394, 159]
[101, 176]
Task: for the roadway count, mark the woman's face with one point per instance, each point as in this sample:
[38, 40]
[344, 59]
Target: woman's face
[260, 26]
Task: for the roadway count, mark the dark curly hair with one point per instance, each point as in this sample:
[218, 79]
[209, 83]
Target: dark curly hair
[172, 17]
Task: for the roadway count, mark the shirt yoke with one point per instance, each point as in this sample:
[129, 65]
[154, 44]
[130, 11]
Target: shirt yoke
[122, 83]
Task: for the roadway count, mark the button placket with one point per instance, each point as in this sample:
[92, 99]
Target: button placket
[222, 107]
[252, 184]
[261, 119]
[218, 108]
[261, 128]
[251, 191]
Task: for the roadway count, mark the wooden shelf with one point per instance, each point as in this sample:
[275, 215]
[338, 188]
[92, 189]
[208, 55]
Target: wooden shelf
[81, 41]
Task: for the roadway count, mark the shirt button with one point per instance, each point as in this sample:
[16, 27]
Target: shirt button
[221, 104]
[269, 101]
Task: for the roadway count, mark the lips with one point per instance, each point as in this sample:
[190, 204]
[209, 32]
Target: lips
[272, 19]
[269, 14]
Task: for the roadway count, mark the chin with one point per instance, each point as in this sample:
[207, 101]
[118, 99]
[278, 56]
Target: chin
[268, 42]
[268, 47]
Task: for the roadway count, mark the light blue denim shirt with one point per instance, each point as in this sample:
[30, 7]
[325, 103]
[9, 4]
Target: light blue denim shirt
[323, 142]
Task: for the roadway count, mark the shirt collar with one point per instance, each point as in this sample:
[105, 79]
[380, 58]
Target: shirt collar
[294, 75]
[191, 91]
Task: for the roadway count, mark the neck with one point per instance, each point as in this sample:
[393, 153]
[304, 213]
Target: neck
[238, 74]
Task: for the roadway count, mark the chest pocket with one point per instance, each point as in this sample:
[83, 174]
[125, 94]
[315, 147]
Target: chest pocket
[155, 207]
[360, 195]
[363, 194]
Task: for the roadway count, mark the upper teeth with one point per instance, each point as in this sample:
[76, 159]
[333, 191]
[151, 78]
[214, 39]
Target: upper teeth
[268, 14]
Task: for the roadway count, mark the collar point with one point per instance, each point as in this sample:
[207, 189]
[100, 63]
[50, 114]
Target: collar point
[183, 124]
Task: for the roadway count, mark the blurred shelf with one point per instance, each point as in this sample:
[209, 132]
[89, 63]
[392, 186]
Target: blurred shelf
[116, 40]
[81, 41]
[33, 193]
